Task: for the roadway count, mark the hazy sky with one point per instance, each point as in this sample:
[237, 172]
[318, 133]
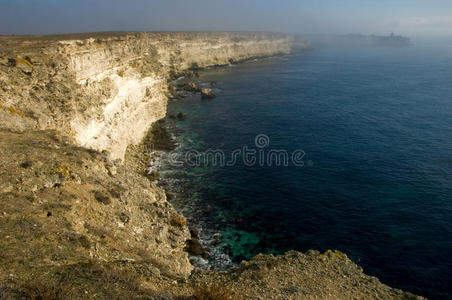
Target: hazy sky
[413, 17]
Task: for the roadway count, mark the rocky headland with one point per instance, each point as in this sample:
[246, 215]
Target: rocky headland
[79, 215]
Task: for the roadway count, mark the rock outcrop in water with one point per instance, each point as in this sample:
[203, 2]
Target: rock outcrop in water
[207, 94]
[78, 216]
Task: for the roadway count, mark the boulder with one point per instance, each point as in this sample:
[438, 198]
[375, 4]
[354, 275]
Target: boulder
[207, 94]
[194, 247]
[189, 87]
[181, 116]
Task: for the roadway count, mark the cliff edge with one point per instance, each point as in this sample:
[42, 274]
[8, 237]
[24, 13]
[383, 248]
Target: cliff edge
[105, 90]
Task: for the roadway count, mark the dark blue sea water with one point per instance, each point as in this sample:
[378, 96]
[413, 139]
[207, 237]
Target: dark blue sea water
[375, 125]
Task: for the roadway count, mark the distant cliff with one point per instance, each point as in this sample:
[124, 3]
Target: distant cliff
[360, 40]
[105, 90]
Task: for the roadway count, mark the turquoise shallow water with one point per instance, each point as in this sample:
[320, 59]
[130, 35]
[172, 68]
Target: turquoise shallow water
[376, 129]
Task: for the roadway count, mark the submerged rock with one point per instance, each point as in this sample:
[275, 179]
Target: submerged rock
[188, 87]
[192, 87]
[181, 116]
[207, 94]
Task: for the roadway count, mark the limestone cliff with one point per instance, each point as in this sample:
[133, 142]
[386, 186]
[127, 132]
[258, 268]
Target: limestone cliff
[76, 222]
[105, 90]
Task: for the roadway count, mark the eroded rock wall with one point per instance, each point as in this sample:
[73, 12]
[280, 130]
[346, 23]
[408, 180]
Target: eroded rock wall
[63, 205]
[105, 91]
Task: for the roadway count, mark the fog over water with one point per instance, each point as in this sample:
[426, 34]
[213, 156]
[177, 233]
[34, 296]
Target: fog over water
[407, 17]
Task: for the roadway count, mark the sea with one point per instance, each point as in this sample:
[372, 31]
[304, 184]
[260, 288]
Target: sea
[335, 147]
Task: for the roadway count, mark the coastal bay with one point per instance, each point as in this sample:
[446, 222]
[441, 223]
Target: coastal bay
[80, 215]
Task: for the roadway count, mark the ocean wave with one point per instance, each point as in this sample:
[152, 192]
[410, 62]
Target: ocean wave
[187, 201]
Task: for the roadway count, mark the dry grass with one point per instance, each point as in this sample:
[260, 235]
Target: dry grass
[84, 280]
[206, 291]
[41, 291]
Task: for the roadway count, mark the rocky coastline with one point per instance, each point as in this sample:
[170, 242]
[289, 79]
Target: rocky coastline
[81, 216]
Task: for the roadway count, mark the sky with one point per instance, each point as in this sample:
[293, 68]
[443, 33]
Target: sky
[409, 17]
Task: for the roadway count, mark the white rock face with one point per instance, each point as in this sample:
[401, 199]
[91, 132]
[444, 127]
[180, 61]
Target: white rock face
[106, 90]
[125, 116]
